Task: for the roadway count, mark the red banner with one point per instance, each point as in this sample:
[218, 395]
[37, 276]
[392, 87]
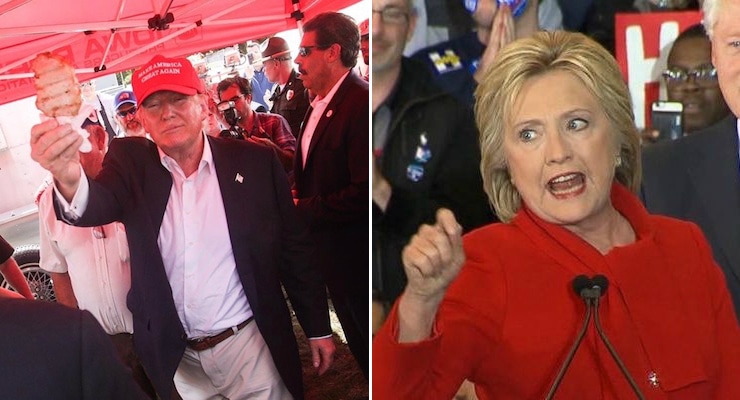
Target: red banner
[642, 42]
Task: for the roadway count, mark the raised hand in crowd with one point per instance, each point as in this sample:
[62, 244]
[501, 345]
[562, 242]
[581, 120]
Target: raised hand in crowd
[502, 33]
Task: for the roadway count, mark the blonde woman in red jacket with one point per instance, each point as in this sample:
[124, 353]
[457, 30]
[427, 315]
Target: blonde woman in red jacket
[560, 163]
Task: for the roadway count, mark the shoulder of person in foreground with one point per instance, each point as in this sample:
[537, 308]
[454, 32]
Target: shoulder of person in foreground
[78, 357]
[665, 164]
[670, 150]
[240, 148]
[357, 85]
[683, 245]
[131, 146]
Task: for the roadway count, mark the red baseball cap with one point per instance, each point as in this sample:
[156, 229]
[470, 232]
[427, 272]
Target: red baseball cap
[365, 28]
[162, 73]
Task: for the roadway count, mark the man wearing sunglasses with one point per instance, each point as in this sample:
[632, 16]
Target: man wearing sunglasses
[128, 122]
[331, 170]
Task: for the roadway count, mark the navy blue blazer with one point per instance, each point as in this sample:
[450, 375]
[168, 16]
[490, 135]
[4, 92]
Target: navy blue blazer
[333, 187]
[696, 178]
[50, 351]
[270, 247]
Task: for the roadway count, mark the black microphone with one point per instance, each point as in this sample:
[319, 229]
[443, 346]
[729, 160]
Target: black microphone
[600, 284]
[581, 285]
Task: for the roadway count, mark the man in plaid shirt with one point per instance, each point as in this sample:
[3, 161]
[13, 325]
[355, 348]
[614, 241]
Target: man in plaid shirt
[269, 129]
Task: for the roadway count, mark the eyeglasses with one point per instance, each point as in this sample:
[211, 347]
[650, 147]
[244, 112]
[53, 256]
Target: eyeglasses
[305, 51]
[704, 74]
[86, 84]
[393, 15]
[124, 113]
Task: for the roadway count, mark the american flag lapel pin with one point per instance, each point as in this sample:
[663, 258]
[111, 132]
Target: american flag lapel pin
[239, 178]
[329, 113]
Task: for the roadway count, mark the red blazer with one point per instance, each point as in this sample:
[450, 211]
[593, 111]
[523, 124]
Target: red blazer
[511, 316]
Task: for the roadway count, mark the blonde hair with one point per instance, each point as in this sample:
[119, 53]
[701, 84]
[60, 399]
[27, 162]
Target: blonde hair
[524, 59]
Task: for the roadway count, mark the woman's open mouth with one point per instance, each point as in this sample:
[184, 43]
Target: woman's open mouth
[567, 185]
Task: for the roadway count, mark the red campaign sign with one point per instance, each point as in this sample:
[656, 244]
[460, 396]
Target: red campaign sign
[642, 42]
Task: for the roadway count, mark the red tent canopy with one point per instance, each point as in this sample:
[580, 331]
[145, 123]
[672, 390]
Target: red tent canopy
[101, 37]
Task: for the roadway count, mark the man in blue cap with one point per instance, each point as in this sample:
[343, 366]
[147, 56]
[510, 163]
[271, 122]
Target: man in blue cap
[129, 124]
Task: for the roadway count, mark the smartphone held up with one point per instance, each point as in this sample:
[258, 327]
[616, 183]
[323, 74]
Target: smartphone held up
[666, 118]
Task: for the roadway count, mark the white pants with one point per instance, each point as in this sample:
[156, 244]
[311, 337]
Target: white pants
[240, 367]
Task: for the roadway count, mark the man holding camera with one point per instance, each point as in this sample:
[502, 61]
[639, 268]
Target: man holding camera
[271, 130]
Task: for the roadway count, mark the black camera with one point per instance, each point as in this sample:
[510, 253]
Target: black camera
[232, 117]
[234, 132]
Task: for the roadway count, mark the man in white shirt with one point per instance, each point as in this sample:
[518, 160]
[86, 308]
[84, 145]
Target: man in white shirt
[213, 235]
[90, 266]
[331, 169]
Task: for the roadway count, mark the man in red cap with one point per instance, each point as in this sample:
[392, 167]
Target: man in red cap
[206, 292]
[289, 98]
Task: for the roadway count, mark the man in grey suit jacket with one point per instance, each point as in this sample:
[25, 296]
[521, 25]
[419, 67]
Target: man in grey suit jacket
[331, 170]
[212, 234]
[697, 177]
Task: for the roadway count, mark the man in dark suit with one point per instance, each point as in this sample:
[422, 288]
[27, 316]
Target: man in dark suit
[49, 351]
[212, 235]
[331, 170]
[697, 177]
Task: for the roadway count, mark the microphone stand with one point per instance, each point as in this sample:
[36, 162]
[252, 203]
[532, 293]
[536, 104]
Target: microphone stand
[591, 290]
[571, 353]
[613, 352]
[582, 286]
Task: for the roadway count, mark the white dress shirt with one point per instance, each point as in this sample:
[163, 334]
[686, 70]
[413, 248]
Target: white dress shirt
[319, 105]
[196, 248]
[97, 261]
